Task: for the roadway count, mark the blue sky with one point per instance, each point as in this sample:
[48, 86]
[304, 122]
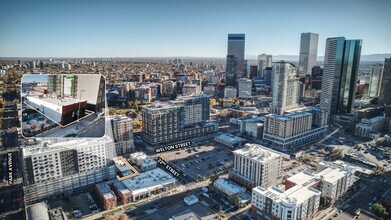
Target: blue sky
[149, 28]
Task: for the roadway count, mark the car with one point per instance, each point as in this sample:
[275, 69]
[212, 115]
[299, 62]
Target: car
[370, 204]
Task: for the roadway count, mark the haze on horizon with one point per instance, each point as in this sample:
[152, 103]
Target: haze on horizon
[185, 28]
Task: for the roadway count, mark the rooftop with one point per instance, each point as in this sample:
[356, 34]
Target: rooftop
[186, 215]
[105, 190]
[232, 139]
[55, 101]
[257, 152]
[303, 178]
[38, 211]
[148, 180]
[296, 194]
[332, 175]
[229, 186]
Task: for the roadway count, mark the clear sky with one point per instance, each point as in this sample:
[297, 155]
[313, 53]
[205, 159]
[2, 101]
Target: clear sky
[135, 28]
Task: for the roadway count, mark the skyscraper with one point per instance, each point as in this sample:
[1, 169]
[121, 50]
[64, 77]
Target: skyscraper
[376, 79]
[385, 95]
[285, 87]
[308, 52]
[264, 61]
[230, 72]
[342, 58]
[236, 44]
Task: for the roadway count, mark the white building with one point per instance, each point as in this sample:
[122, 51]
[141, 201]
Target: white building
[143, 161]
[230, 92]
[256, 165]
[53, 168]
[368, 126]
[299, 202]
[244, 88]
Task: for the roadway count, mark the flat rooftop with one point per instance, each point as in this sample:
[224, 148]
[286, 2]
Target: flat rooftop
[296, 194]
[332, 175]
[126, 170]
[105, 190]
[257, 152]
[44, 146]
[229, 138]
[148, 180]
[55, 101]
[229, 186]
[303, 177]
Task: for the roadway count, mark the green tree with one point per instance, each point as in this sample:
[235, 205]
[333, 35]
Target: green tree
[380, 210]
[241, 103]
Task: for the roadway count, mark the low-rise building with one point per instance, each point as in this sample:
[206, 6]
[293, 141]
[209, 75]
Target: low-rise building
[106, 196]
[228, 188]
[368, 126]
[190, 200]
[143, 161]
[229, 140]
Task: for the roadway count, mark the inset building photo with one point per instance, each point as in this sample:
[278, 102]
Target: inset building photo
[63, 105]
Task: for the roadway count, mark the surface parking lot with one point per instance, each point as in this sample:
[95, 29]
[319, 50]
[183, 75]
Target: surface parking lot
[200, 161]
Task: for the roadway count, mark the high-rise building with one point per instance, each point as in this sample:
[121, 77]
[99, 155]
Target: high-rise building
[236, 46]
[256, 165]
[253, 71]
[123, 134]
[231, 74]
[264, 61]
[385, 94]
[244, 88]
[177, 120]
[342, 59]
[62, 168]
[308, 52]
[285, 87]
[376, 80]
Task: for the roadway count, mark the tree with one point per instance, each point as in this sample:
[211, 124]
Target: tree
[241, 103]
[234, 200]
[379, 210]
[214, 178]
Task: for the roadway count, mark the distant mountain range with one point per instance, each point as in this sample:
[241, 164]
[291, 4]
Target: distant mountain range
[369, 57]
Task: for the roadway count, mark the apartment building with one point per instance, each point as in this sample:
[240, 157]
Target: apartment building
[256, 165]
[123, 134]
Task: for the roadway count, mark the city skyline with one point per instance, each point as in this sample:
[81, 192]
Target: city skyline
[167, 30]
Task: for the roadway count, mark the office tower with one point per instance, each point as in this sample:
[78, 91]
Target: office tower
[177, 120]
[231, 71]
[236, 46]
[123, 134]
[285, 87]
[267, 75]
[256, 165]
[375, 80]
[385, 94]
[253, 71]
[342, 59]
[308, 52]
[298, 202]
[244, 88]
[264, 61]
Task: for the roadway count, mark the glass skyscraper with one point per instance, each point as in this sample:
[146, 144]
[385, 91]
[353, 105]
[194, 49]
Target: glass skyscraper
[308, 52]
[342, 58]
[385, 94]
[236, 44]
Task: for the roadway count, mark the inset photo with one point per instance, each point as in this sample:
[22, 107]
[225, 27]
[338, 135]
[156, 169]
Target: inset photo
[63, 105]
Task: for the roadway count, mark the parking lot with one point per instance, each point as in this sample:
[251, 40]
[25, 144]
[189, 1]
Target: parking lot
[201, 161]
